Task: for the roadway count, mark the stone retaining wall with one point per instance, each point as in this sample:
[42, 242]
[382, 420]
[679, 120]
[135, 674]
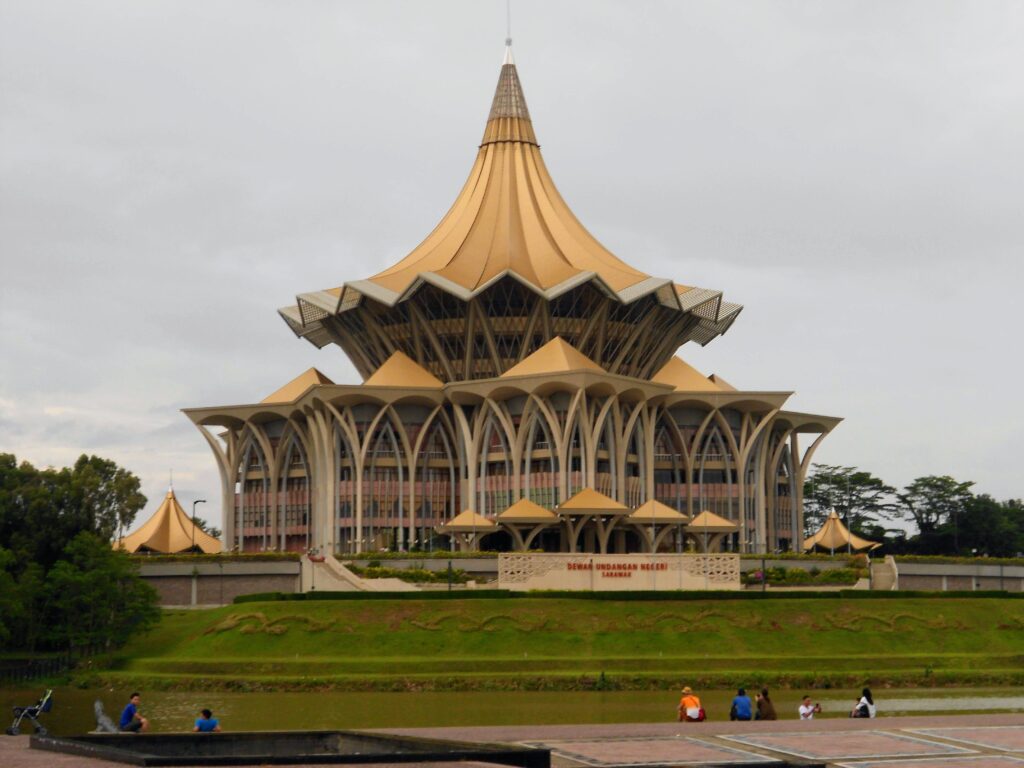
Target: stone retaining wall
[185, 584]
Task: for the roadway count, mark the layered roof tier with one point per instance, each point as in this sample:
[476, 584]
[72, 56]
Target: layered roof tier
[509, 223]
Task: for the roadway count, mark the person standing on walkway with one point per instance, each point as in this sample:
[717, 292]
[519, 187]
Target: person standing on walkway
[808, 710]
[131, 720]
[741, 708]
[690, 710]
[765, 707]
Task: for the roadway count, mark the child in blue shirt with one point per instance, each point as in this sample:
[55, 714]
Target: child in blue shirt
[207, 723]
[131, 720]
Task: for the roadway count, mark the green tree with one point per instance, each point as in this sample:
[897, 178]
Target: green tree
[96, 591]
[10, 603]
[932, 502]
[42, 510]
[105, 496]
[60, 581]
[987, 527]
[857, 496]
[206, 527]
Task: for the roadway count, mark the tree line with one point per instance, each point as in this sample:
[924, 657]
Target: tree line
[932, 515]
[62, 585]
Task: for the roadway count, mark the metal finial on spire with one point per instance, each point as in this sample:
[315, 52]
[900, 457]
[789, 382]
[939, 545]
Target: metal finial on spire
[508, 34]
[170, 481]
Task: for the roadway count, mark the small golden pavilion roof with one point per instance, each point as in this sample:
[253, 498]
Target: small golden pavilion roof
[557, 356]
[526, 511]
[709, 522]
[467, 521]
[400, 370]
[834, 535]
[297, 387]
[169, 531]
[590, 502]
[653, 511]
[684, 377]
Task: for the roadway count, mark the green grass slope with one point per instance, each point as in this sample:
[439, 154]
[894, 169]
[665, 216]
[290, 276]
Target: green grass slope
[534, 643]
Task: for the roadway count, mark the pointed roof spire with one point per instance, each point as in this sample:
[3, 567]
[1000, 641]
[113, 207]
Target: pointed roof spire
[509, 118]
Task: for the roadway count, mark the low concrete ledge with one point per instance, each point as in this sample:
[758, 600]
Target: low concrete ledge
[184, 568]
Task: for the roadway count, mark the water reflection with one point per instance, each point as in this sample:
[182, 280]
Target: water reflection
[176, 711]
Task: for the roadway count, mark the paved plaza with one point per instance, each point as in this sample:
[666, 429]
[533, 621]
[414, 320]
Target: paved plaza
[1008, 738]
[955, 741]
[826, 745]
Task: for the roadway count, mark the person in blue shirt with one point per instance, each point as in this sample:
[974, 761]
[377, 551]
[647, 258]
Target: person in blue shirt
[742, 708]
[131, 720]
[207, 723]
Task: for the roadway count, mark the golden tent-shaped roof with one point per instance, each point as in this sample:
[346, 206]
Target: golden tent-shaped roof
[709, 522]
[834, 535]
[587, 501]
[169, 531]
[526, 511]
[467, 521]
[557, 356]
[653, 512]
[684, 377]
[509, 221]
[402, 371]
[297, 387]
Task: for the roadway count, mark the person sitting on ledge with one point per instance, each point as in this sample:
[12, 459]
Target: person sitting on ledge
[765, 707]
[690, 710]
[807, 710]
[207, 723]
[131, 720]
[741, 706]
[866, 706]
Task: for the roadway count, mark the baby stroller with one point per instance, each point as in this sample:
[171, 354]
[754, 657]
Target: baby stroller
[45, 704]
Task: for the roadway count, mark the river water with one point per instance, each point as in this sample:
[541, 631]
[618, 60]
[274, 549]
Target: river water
[175, 711]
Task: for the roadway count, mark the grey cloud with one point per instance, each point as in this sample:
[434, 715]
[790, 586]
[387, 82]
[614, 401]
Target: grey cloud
[172, 173]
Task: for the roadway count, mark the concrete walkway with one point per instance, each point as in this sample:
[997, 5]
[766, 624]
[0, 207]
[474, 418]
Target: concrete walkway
[956, 741]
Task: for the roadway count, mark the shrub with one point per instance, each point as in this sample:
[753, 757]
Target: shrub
[413, 575]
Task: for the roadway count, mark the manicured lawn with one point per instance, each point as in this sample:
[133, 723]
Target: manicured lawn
[567, 644]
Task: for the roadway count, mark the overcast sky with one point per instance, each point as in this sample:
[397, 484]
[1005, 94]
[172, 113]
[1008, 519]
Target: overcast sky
[173, 172]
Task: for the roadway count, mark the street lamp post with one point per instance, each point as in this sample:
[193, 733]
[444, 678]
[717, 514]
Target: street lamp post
[197, 501]
[849, 533]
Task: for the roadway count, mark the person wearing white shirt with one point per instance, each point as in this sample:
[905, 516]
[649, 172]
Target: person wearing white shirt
[808, 710]
[866, 706]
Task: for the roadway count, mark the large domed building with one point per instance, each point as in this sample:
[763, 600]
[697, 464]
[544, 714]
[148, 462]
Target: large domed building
[521, 390]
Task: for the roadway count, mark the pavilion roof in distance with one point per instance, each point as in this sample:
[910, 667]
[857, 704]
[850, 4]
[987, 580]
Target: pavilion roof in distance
[509, 220]
[169, 531]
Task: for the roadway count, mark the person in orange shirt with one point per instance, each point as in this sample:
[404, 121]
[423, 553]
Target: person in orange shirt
[690, 710]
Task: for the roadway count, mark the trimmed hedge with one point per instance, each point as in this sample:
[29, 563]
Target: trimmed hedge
[255, 557]
[950, 560]
[492, 594]
[436, 555]
[413, 575]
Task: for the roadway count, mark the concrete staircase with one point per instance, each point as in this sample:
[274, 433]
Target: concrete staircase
[329, 575]
[884, 575]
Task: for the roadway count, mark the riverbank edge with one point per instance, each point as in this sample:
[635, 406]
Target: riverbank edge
[598, 681]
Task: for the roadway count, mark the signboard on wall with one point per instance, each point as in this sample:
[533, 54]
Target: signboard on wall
[598, 573]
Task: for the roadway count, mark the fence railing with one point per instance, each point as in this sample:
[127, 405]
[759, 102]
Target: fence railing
[15, 670]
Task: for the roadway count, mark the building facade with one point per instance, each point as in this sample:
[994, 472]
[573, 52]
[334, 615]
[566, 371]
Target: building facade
[510, 356]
